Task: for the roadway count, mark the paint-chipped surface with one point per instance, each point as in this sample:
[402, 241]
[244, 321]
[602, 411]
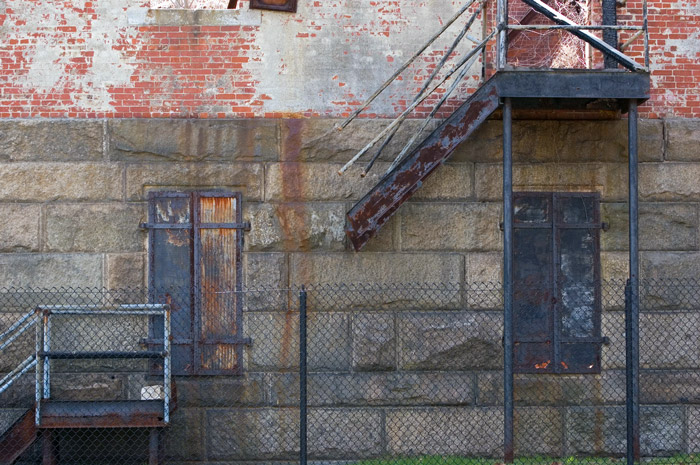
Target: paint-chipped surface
[121, 59]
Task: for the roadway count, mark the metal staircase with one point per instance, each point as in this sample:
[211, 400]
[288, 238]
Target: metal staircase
[49, 414]
[524, 88]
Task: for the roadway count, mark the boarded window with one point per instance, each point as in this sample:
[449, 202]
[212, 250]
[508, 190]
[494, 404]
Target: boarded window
[195, 242]
[279, 5]
[556, 282]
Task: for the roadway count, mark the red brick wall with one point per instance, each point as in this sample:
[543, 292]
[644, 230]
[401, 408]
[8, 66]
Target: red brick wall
[85, 59]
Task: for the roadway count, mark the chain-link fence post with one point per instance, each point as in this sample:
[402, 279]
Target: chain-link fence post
[302, 377]
[632, 372]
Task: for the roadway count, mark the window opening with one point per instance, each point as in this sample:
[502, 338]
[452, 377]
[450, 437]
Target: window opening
[278, 5]
[556, 282]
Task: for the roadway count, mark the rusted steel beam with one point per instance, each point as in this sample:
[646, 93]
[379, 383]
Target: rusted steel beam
[18, 437]
[126, 414]
[369, 214]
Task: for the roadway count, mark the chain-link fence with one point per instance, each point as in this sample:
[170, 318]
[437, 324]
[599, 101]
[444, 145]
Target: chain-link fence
[370, 374]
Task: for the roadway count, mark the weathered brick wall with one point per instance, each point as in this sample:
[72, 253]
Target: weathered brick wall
[118, 59]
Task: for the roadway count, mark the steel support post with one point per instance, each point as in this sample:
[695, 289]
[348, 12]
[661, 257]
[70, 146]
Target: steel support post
[302, 378]
[508, 437]
[632, 306]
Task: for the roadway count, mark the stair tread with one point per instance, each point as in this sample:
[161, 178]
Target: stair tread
[102, 414]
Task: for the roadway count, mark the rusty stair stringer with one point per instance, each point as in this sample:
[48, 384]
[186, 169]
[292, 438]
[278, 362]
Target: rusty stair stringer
[369, 214]
[18, 437]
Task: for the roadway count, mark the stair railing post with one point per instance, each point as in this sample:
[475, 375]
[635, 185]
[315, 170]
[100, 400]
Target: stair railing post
[502, 18]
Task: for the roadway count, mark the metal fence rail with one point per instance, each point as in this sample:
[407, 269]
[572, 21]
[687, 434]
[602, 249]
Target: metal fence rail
[370, 374]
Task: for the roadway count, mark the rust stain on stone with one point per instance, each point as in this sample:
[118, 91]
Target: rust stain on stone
[291, 213]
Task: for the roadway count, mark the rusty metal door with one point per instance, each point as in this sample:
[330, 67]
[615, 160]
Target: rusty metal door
[556, 282]
[195, 243]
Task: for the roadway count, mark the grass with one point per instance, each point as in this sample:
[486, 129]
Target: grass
[440, 460]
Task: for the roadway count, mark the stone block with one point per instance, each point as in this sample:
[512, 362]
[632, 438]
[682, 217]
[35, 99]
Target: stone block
[661, 430]
[144, 177]
[45, 182]
[613, 327]
[388, 238]
[447, 431]
[193, 17]
[450, 341]
[51, 140]
[669, 181]
[315, 139]
[19, 230]
[663, 273]
[154, 140]
[538, 431]
[295, 227]
[390, 389]
[284, 388]
[276, 341]
[386, 268]
[693, 428]
[20, 394]
[596, 430]
[102, 227]
[329, 342]
[185, 435]
[20, 348]
[610, 179]
[669, 387]
[651, 140]
[667, 226]
[373, 342]
[252, 434]
[88, 386]
[245, 391]
[452, 181]
[554, 390]
[482, 268]
[126, 270]
[50, 270]
[602, 430]
[471, 227]
[293, 181]
[345, 433]
[265, 277]
[683, 137]
[670, 265]
[264, 271]
[98, 333]
[669, 340]
[563, 141]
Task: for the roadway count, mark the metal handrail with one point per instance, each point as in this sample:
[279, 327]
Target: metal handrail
[19, 370]
[502, 15]
[44, 353]
[8, 337]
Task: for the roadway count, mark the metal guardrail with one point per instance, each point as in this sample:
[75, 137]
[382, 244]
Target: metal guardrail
[44, 354]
